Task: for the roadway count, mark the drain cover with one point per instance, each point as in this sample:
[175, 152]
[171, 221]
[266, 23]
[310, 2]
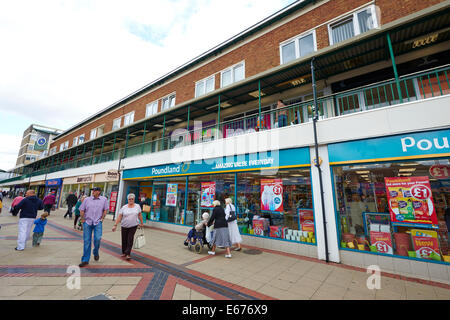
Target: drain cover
[252, 251]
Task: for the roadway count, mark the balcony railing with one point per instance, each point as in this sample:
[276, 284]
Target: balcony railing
[418, 86]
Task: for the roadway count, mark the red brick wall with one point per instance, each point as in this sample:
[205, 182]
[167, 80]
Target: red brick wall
[260, 55]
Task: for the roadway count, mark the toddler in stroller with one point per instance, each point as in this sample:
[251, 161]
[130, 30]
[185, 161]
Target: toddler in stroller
[197, 236]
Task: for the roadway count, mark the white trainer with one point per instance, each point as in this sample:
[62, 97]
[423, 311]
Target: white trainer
[211, 253]
[228, 256]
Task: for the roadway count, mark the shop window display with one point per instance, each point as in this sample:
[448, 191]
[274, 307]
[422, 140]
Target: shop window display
[167, 200]
[276, 206]
[395, 208]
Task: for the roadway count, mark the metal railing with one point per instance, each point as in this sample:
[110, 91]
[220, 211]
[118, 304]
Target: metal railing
[417, 86]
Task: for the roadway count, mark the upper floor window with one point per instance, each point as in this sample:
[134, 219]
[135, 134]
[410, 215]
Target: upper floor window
[128, 118]
[116, 123]
[168, 102]
[232, 74]
[204, 86]
[93, 134]
[353, 25]
[53, 151]
[64, 146]
[81, 139]
[152, 109]
[298, 47]
[75, 141]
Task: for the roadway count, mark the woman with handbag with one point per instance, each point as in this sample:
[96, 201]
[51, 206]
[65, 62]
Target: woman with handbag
[230, 215]
[129, 217]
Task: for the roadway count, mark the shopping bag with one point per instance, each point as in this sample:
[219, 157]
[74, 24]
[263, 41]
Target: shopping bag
[139, 240]
[208, 234]
[146, 208]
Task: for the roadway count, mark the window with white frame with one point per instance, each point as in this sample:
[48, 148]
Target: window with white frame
[93, 134]
[53, 151]
[152, 109]
[168, 102]
[204, 86]
[232, 74]
[75, 141]
[81, 139]
[64, 146]
[353, 25]
[128, 118]
[298, 47]
[116, 123]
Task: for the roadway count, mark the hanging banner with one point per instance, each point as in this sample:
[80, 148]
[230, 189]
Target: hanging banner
[171, 195]
[410, 200]
[208, 194]
[113, 201]
[382, 241]
[425, 244]
[272, 195]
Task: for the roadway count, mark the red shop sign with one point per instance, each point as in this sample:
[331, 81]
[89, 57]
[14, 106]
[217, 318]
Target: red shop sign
[440, 171]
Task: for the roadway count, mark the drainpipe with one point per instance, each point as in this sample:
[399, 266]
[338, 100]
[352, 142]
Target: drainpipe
[317, 162]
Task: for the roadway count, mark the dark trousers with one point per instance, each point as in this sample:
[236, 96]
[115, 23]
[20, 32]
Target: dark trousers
[69, 211]
[48, 208]
[75, 222]
[128, 239]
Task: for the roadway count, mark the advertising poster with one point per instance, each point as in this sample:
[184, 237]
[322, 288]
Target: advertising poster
[306, 217]
[208, 194]
[425, 243]
[258, 227]
[112, 201]
[171, 195]
[272, 195]
[383, 241]
[410, 200]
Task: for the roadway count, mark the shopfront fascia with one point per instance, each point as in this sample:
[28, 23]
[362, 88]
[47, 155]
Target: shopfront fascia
[391, 195]
[271, 192]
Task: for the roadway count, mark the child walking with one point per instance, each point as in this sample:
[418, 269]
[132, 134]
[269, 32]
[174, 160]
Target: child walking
[38, 231]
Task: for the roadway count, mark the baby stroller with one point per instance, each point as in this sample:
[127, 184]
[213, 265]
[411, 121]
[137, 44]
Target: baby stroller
[79, 225]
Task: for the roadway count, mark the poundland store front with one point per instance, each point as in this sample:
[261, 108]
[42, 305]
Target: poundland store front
[271, 191]
[392, 195]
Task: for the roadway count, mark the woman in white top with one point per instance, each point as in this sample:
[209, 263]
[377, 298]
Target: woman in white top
[129, 216]
[233, 229]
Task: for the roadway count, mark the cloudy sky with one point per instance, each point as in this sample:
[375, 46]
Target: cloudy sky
[62, 61]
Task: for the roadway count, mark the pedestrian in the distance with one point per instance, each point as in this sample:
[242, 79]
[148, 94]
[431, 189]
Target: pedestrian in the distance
[129, 217]
[221, 236]
[77, 211]
[92, 213]
[15, 202]
[230, 215]
[38, 231]
[28, 207]
[49, 201]
[71, 200]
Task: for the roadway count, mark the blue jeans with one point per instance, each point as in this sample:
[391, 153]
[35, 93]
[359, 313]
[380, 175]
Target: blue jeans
[282, 120]
[87, 240]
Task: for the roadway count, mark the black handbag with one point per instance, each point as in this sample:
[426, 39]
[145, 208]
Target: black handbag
[232, 216]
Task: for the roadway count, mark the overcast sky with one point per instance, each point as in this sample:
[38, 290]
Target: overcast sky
[62, 61]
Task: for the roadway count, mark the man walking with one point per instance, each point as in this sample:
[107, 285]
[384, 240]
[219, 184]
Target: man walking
[28, 207]
[71, 200]
[49, 201]
[92, 213]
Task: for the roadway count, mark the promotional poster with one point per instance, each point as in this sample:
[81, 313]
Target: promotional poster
[272, 195]
[171, 195]
[208, 194]
[425, 243]
[410, 200]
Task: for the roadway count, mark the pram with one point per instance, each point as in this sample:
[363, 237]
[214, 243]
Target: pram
[199, 240]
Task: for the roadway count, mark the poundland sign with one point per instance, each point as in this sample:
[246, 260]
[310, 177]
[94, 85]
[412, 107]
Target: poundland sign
[408, 146]
[275, 159]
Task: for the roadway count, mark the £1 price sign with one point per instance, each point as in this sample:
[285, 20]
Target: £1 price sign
[440, 171]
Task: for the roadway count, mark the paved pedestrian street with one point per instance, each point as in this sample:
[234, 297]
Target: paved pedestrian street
[164, 269]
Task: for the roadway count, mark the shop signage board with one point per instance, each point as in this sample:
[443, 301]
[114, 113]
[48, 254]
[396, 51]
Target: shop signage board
[208, 194]
[272, 195]
[171, 195]
[53, 182]
[287, 158]
[85, 179]
[411, 201]
[112, 175]
[405, 146]
[425, 243]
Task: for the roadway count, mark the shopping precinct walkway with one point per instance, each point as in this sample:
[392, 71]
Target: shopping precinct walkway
[165, 269]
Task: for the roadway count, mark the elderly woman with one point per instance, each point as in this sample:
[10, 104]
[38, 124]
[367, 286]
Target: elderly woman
[230, 215]
[221, 237]
[128, 217]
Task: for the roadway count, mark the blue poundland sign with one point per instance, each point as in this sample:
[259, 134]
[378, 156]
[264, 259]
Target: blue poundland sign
[406, 146]
[275, 159]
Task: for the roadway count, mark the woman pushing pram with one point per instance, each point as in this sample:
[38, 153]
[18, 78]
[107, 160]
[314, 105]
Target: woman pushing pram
[196, 237]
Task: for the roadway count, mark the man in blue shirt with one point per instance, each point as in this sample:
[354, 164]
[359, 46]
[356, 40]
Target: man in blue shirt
[28, 208]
